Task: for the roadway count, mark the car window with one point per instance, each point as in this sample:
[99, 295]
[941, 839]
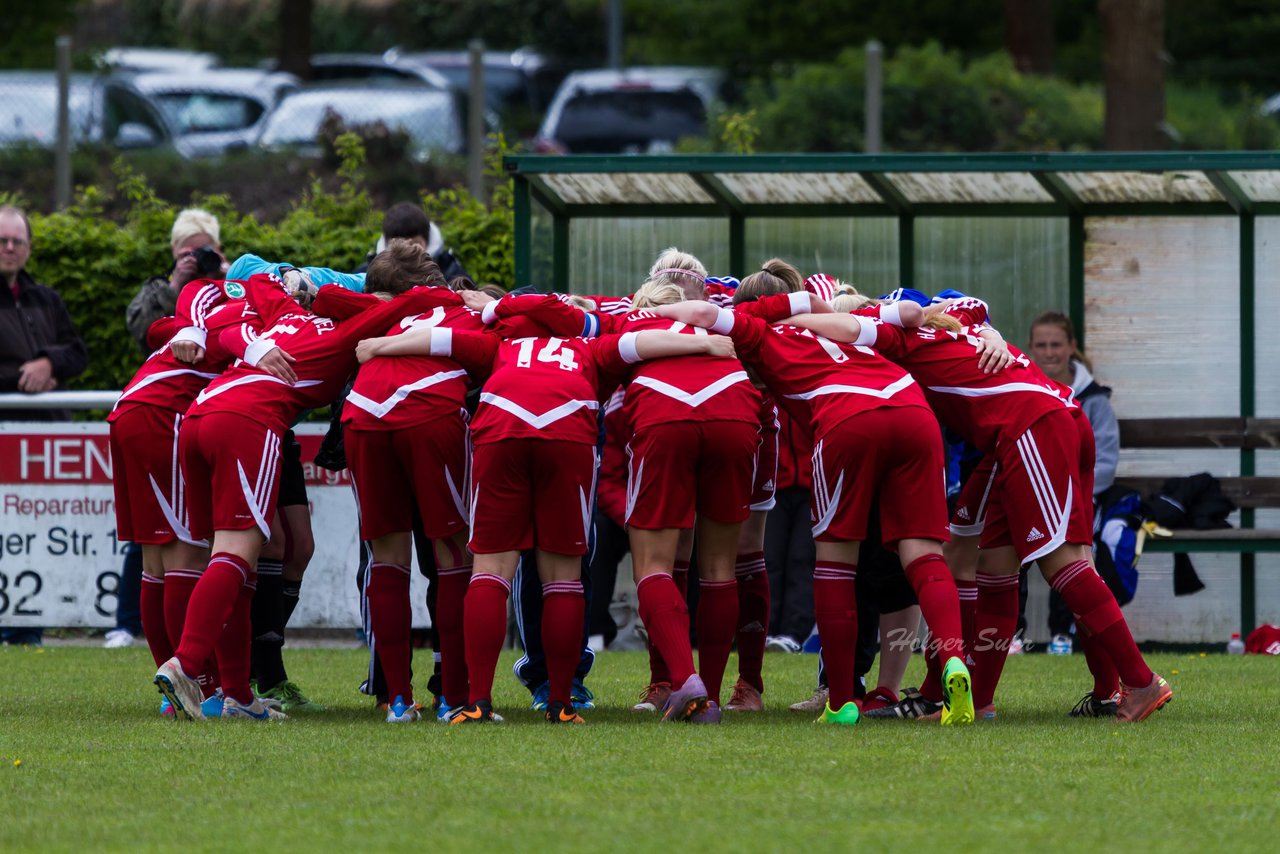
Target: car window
[629, 120]
[207, 112]
[121, 107]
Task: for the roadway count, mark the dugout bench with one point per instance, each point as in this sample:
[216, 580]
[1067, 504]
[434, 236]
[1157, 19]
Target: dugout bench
[1247, 491]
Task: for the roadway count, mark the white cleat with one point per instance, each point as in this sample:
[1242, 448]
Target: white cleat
[255, 711]
[182, 692]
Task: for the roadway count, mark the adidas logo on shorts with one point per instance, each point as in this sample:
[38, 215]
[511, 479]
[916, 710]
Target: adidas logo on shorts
[1034, 535]
[768, 486]
[963, 513]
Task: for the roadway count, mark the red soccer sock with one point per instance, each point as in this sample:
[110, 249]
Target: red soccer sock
[967, 591]
[151, 603]
[1106, 681]
[835, 600]
[753, 616]
[451, 595]
[485, 628]
[235, 645]
[995, 621]
[717, 624]
[666, 617]
[680, 575]
[562, 612]
[391, 619]
[1096, 611]
[208, 610]
[939, 605]
[178, 586]
[931, 687]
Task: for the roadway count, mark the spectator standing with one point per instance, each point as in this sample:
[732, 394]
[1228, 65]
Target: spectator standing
[193, 240]
[39, 346]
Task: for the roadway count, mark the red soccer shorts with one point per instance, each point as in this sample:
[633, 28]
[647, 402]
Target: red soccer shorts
[231, 464]
[1039, 501]
[687, 467]
[531, 493]
[394, 470]
[895, 452]
[971, 507]
[150, 499]
[764, 486]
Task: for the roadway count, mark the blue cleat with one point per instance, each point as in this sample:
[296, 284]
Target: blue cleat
[212, 706]
[540, 697]
[581, 696]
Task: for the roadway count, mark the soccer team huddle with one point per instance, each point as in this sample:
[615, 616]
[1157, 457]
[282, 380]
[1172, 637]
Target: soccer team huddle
[683, 380]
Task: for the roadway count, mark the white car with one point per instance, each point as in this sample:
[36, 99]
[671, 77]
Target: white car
[217, 110]
[632, 111]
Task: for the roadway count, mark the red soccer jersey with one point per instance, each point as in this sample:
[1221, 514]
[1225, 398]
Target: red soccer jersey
[611, 485]
[206, 314]
[538, 388]
[686, 388]
[324, 351]
[396, 392]
[981, 408]
[823, 381]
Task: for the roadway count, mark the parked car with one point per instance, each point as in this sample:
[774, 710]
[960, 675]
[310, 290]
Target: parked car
[632, 111]
[429, 116]
[217, 110]
[102, 110]
[142, 59]
[518, 85]
[343, 67]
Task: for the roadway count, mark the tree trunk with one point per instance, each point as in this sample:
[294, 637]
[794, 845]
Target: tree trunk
[1028, 35]
[1133, 70]
[295, 37]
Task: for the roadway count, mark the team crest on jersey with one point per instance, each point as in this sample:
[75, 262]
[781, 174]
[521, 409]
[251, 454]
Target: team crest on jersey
[235, 290]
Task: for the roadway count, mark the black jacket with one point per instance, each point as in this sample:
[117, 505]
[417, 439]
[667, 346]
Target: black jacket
[37, 324]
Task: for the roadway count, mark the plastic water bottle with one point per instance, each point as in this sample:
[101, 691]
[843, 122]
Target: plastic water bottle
[1235, 646]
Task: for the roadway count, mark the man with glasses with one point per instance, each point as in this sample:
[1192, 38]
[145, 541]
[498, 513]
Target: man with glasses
[39, 346]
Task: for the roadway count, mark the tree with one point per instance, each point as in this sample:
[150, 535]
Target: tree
[295, 37]
[1133, 74]
[1028, 35]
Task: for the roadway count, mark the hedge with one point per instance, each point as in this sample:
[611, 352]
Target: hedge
[97, 264]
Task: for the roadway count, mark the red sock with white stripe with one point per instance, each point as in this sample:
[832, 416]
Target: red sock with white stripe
[967, 592]
[939, 603]
[1106, 681]
[1096, 610]
[209, 608]
[151, 604]
[391, 619]
[485, 628]
[995, 621]
[717, 625]
[835, 601]
[753, 616]
[657, 667]
[450, 596]
[234, 647]
[666, 617]
[562, 612]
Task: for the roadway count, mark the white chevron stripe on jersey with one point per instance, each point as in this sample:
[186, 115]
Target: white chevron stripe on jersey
[380, 409]
[163, 375]
[208, 393]
[883, 393]
[693, 399]
[263, 525]
[1007, 388]
[538, 421]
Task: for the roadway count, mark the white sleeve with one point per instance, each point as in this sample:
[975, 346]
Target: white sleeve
[258, 348]
[193, 334]
[442, 341]
[868, 334]
[892, 314]
[724, 322]
[489, 313]
[800, 302]
[627, 348]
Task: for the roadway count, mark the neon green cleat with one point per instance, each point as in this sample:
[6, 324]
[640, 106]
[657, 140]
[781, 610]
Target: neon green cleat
[847, 716]
[291, 698]
[957, 693]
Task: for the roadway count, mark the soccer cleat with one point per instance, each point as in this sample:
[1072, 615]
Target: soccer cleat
[847, 715]
[1137, 704]
[291, 698]
[540, 696]
[255, 711]
[166, 708]
[182, 692]
[685, 702]
[581, 696]
[986, 713]
[653, 697]
[559, 713]
[443, 712]
[1016, 645]
[118, 639]
[912, 705]
[816, 703]
[479, 712]
[1060, 645]
[1091, 707]
[401, 712]
[709, 715]
[212, 705]
[745, 698]
[957, 693]
[880, 698]
[781, 643]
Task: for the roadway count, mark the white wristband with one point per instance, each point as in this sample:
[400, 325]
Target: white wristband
[724, 322]
[489, 313]
[892, 313]
[627, 348]
[867, 336]
[194, 334]
[800, 302]
[257, 349]
[442, 341]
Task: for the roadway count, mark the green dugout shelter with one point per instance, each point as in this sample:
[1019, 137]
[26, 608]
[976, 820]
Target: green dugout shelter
[1168, 263]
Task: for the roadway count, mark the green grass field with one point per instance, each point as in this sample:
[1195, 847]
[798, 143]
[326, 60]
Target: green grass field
[86, 764]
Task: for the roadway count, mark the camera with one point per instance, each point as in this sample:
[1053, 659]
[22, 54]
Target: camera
[208, 262]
